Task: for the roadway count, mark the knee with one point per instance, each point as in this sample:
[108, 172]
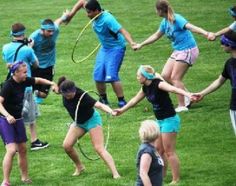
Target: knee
[11, 152]
[99, 149]
[67, 147]
[169, 153]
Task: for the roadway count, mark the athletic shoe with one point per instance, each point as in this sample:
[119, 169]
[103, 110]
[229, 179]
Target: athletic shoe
[121, 103]
[181, 109]
[187, 101]
[37, 145]
[5, 184]
[104, 101]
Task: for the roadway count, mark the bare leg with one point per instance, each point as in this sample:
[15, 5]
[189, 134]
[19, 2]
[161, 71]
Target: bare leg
[7, 161]
[33, 132]
[101, 87]
[169, 143]
[72, 135]
[96, 135]
[117, 88]
[22, 160]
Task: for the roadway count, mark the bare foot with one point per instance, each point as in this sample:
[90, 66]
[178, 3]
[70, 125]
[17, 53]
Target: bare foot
[116, 176]
[78, 171]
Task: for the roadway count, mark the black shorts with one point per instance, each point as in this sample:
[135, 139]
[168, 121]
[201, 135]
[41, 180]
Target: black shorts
[46, 73]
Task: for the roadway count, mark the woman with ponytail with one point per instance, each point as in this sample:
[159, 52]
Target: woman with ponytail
[87, 120]
[185, 53]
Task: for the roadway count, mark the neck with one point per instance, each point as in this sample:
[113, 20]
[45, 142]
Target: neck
[147, 82]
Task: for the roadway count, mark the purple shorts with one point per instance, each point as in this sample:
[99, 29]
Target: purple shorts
[188, 56]
[12, 133]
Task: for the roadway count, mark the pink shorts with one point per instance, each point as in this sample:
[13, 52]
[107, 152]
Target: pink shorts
[188, 56]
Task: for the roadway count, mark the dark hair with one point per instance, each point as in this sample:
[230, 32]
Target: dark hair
[65, 85]
[233, 8]
[93, 5]
[17, 27]
[47, 22]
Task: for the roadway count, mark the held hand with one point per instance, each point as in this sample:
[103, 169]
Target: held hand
[55, 88]
[137, 46]
[66, 16]
[196, 97]
[211, 36]
[10, 119]
[118, 112]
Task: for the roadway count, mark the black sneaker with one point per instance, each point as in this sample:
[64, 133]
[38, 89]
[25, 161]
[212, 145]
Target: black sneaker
[104, 101]
[37, 145]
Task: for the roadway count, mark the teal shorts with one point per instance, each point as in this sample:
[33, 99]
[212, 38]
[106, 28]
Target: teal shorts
[93, 122]
[168, 125]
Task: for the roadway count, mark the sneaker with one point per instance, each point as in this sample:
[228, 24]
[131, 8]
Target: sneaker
[37, 145]
[5, 184]
[187, 101]
[121, 103]
[104, 101]
[181, 109]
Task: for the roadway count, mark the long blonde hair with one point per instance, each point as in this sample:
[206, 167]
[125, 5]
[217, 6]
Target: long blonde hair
[164, 6]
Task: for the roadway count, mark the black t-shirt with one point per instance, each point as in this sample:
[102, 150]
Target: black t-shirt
[160, 99]
[155, 170]
[13, 94]
[86, 105]
[229, 72]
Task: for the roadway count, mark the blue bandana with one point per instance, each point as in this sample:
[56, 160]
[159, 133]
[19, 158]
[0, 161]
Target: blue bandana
[47, 26]
[227, 42]
[16, 66]
[146, 74]
[20, 33]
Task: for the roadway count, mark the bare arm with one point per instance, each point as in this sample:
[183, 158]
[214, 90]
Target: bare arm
[145, 163]
[223, 31]
[43, 81]
[62, 19]
[136, 99]
[169, 88]
[4, 112]
[196, 29]
[127, 36]
[154, 37]
[80, 4]
[213, 86]
[104, 108]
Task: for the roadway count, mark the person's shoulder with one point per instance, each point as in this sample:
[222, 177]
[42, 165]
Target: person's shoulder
[36, 33]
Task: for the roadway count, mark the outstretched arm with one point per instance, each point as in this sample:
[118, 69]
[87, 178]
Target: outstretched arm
[104, 108]
[223, 31]
[80, 4]
[127, 36]
[63, 18]
[197, 30]
[154, 37]
[136, 99]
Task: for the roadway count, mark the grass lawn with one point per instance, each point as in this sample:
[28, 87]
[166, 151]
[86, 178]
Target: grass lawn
[206, 143]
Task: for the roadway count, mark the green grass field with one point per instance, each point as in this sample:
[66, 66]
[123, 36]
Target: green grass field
[206, 143]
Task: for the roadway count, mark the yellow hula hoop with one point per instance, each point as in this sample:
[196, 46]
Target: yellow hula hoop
[78, 38]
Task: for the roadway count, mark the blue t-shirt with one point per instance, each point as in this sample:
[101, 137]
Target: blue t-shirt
[25, 54]
[45, 47]
[156, 166]
[180, 37]
[107, 29]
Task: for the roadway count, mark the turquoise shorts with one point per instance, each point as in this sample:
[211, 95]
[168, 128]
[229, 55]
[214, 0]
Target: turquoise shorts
[171, 124]
[93, 122]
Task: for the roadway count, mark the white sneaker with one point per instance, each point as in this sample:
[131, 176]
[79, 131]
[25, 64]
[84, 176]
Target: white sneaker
[187, 101]
[181, 109]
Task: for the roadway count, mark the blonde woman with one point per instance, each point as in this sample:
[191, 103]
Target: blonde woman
[156, 92]
[149, 162]
[179, 31]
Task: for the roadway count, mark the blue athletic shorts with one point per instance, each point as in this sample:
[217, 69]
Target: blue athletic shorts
[171, 124]
[93, 122]
[107, 66]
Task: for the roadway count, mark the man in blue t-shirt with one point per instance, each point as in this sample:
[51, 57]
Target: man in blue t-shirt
[44, 46]
[112, 37]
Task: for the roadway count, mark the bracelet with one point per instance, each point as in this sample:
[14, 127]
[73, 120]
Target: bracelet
[64, 17]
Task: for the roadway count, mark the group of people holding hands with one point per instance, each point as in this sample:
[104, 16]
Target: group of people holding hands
[158, 137]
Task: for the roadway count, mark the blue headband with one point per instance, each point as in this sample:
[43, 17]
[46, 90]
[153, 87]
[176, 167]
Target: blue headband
[146, 74]
[232, 12]
[47, 27]
[227, 42]
[20, 33]
[15, 66]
